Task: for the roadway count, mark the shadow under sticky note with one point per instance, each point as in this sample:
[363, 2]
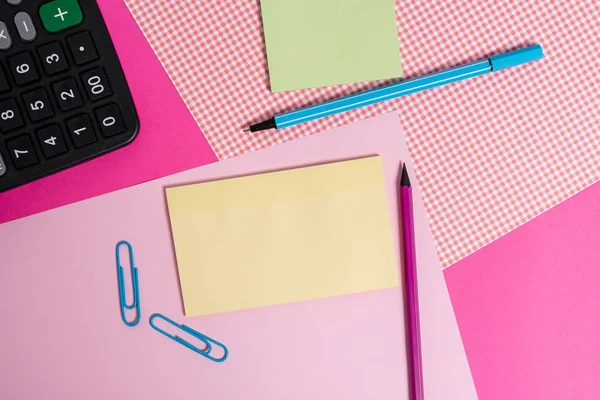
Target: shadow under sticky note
[283, 236]
[313, 43]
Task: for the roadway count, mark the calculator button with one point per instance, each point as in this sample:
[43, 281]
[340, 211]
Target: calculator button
[3, 82]
[51, 141]
[10, 117]
[25, 27]
[110, 120]
[53, 58]
[22, 68]
[22, 152]
[37, 105]
[2, 166]
[59, 15]
[82, 48]
[96, 84]
[5, 39]
[14, 2]
[81, 130]
[66, 94]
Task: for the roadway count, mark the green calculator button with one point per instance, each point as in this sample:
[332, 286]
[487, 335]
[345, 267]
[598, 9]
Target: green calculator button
[59, 15]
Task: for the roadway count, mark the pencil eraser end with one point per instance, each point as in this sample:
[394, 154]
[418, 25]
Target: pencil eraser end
[517, 57]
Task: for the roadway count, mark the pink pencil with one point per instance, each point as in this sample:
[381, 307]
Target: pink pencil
[412, 292]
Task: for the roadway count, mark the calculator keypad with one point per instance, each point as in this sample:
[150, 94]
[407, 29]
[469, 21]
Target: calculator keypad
[63, 95]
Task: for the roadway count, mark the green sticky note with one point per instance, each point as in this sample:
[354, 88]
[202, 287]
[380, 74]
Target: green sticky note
[313, 43]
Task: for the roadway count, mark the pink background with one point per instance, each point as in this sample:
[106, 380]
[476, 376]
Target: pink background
[528, 306]
[63, 337]
[169, 140]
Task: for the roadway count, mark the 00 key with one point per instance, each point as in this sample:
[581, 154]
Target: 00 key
[95, 83]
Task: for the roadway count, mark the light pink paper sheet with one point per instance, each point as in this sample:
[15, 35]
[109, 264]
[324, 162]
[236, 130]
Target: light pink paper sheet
[63, 337]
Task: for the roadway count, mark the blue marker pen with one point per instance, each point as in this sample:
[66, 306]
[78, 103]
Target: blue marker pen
[399, 89]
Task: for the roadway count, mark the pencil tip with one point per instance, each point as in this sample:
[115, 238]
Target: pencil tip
[404, 181]
[246, 129]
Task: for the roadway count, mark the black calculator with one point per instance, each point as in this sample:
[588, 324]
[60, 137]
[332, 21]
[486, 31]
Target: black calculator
[63, 95]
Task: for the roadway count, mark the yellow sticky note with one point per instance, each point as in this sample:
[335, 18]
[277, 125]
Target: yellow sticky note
[284, 236]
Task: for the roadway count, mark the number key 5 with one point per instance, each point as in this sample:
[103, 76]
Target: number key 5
[37, 105]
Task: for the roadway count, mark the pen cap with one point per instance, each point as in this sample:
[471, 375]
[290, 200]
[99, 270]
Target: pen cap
[517, 57]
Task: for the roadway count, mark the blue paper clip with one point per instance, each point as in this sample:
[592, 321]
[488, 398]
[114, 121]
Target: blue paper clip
[205, 339]
[134, 280]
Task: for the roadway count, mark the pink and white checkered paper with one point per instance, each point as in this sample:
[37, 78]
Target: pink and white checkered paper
[490, 153]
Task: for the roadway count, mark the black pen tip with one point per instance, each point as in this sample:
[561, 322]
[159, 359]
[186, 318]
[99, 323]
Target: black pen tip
[261, 126]
[404, 181]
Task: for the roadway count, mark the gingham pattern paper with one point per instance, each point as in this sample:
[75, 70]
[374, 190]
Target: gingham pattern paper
[490, 153]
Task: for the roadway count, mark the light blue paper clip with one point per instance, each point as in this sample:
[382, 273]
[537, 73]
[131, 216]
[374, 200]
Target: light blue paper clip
[134, 280]
[205, 339]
